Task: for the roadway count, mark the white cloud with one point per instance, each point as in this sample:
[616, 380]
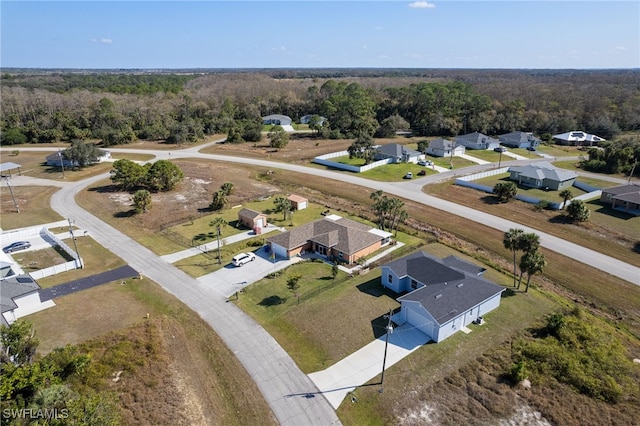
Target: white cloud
[620, 48]
[422, 5]
[102, 40]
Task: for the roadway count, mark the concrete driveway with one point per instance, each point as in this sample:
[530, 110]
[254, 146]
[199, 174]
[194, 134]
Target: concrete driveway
[363, 365]
[230, 279]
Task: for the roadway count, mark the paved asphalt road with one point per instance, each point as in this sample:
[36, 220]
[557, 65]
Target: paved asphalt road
[120, 273]
[281, 382]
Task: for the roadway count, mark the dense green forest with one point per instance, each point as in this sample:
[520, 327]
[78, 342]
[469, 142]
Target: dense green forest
[182, 107]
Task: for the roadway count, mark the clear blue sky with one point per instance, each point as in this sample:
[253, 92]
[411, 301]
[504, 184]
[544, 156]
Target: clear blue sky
[325, 33]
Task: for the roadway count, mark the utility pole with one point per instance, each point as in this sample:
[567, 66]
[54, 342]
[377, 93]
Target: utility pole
[61, 162]
[75, 245]
[15, 203]
[386, 345]
[632, 171]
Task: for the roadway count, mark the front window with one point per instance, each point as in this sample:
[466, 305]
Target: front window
[390, 279]
[414, 284]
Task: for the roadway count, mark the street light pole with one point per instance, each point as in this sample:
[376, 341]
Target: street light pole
[75, 245]
[386, 345]
[500, 160]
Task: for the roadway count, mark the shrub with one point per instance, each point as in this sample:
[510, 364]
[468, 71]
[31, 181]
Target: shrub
[518, 372]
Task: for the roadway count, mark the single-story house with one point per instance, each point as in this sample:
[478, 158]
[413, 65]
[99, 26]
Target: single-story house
[543, 175]
[477, 140]
[398, 153]
[20, 296]
[333, 237]
[252, 219]
[444, 148]
[444, 295]
[298, 202]
[625, 198]
[6, 269]
[305, 119]
[58, 159]
[519, 140]
[277, 119]
[577, 138]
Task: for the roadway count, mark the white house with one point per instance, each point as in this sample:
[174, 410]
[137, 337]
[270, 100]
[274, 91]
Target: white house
[277, 119]
[398, 153]
[305, 119]
[577, 138]
[477, 140]
[20, 296]
[444, 296]
[444, 148]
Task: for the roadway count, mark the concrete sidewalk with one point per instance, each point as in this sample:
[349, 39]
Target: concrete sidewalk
[213, 245]
[363, 365]
[474, 159]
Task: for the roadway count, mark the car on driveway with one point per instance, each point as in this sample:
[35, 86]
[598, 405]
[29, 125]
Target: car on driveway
[18, 245]
[425, 163]
[500, 149]
[243, 258]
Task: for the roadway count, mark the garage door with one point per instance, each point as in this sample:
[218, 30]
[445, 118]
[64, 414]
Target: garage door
[279, 250]
[420, 322]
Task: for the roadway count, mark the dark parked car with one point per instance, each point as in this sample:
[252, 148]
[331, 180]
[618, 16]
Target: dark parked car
[18, 245]
[500, 149]
[531, 148]
[422, 173]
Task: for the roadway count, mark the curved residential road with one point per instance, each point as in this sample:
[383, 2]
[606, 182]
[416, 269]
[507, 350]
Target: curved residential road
[285, 388]
[411, 190]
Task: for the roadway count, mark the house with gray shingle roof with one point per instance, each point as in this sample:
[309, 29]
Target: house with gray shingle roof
[444, 295]
[543, 175]
[397, 153]
[444, 148]
[20, 296]
[334, 237]
[477, 140]
[625, 198]
[519, 140]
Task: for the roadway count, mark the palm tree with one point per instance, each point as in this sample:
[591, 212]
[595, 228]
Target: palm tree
[566, 195]
[511, 241]
[227, 188]
[283, 205]
[219, 200]
[532, 263]
[218, 222]
[527, 243]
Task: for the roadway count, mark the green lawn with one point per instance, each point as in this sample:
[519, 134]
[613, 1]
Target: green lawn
[552, 196]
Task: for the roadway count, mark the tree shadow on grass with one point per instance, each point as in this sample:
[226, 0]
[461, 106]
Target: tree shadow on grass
[272, 301]
[124, 214]
[491, 200]
[106, 188]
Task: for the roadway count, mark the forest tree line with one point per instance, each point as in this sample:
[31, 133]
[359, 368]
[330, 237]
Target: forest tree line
[121, 108]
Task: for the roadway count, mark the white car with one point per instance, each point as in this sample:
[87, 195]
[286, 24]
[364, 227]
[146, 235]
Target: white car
[243, 258]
